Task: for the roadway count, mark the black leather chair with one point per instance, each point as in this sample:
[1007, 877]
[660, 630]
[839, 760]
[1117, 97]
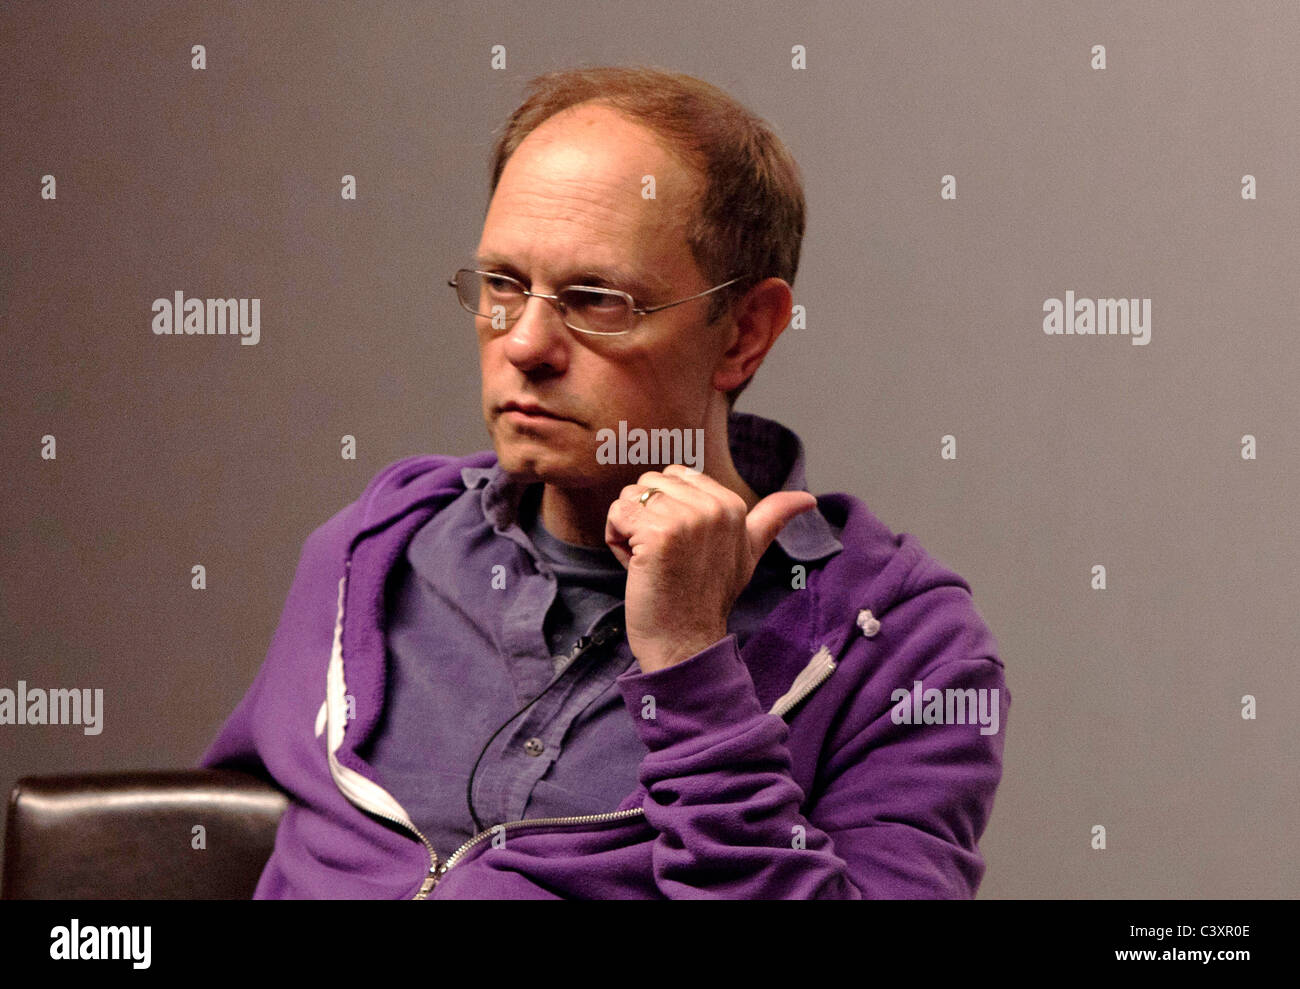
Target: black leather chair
[131, 835]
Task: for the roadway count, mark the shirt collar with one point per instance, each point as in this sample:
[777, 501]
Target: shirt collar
[768, 455]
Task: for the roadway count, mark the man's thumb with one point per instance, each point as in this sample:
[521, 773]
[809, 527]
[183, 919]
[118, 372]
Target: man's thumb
[772, 514]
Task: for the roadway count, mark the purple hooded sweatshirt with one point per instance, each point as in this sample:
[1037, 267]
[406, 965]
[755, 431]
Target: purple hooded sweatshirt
[851, 750]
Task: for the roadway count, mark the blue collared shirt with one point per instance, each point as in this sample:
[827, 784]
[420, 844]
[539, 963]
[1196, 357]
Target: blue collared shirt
[474, 593]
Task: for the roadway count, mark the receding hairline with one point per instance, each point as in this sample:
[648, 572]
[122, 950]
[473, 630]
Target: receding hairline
[636, 279]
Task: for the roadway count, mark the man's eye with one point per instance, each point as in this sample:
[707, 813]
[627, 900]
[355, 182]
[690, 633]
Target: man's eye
[500, 285]
[595, 301]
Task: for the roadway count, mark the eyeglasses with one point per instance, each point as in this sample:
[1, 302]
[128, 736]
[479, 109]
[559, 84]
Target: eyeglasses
[600, 311]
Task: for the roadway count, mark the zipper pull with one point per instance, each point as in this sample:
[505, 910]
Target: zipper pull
[430, 880]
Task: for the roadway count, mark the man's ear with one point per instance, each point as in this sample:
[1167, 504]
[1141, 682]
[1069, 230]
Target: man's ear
[755, 322]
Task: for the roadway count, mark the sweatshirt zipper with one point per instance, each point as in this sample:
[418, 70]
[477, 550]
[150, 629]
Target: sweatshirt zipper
[459, 853]
[355, 790]
[584, 643]
[435, 869]
[821, 666]
[352, 794]
[809, 679]
[355, 787]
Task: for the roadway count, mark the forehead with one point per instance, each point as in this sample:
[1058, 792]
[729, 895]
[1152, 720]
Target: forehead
[592, 193]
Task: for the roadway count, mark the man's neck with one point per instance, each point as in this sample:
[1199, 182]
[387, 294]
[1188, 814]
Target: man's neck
[577, 515]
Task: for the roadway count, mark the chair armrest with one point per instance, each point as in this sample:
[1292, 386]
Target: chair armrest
[132, 835]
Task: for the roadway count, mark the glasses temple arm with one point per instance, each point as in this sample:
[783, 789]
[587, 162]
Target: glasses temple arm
[669, 305]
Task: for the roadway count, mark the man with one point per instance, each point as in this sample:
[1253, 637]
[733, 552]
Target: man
[549, 671]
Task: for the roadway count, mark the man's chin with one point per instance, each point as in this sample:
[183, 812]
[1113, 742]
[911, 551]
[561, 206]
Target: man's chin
[564, 468]
[531, 461]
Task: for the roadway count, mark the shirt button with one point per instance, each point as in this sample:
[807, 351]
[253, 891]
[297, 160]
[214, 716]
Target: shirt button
[534, 746]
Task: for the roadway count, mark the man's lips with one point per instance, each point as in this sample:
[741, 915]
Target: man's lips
[533, 411]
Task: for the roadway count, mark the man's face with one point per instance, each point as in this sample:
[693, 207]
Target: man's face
[569, 205]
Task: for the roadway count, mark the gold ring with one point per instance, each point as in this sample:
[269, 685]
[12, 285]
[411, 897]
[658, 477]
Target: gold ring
[645, 495]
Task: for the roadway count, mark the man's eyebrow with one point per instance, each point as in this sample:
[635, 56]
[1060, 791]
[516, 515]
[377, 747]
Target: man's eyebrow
[637, 283]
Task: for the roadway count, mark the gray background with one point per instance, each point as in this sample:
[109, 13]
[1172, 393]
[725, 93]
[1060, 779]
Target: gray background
[924, 319]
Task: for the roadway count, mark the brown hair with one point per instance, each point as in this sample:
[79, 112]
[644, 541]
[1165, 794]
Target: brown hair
[749, 215]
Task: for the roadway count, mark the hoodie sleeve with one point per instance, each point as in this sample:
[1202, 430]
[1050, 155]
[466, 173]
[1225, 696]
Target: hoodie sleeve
[896, 809]
[234, 748]
[719, 789]
[905, 804]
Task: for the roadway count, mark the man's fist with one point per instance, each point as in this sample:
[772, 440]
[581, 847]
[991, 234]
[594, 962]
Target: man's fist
[690, 549]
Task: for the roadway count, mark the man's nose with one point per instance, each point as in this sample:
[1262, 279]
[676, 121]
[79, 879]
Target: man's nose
[537, 337]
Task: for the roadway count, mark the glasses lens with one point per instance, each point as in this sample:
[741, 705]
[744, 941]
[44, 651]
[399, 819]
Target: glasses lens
[488, 295]
[595, 311]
